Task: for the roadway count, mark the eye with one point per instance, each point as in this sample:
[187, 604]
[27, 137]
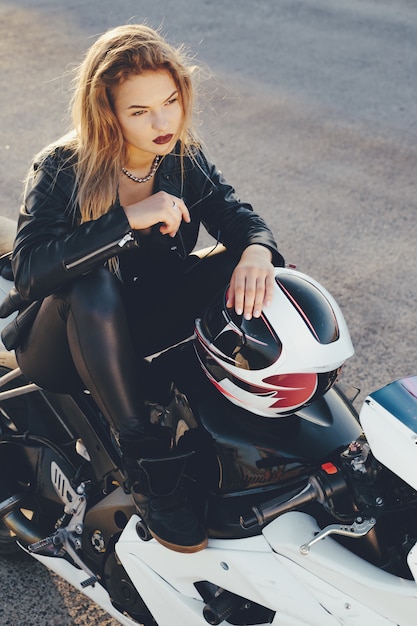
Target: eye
[172, 100]
[139, 112]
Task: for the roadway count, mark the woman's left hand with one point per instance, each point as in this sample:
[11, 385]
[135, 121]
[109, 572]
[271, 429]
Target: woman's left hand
[252, 282]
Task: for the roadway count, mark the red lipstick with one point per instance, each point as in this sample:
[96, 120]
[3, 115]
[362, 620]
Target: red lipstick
[162, 139]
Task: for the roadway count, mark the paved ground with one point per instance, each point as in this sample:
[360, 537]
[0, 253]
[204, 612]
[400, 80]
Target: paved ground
[311, 113]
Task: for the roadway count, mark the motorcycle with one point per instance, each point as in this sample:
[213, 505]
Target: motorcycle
[312, 519]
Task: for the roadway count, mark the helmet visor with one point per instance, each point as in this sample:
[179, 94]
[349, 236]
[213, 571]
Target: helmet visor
[247, 344]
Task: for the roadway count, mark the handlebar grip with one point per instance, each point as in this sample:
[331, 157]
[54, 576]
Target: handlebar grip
[319, 488]
[263, 513]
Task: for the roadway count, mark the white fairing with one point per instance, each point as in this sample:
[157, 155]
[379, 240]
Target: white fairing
[393, 437]
[327, 587]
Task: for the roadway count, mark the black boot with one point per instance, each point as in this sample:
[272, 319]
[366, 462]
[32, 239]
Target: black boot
[158, 487]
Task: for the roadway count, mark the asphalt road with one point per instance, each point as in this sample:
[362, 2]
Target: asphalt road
[310, 110]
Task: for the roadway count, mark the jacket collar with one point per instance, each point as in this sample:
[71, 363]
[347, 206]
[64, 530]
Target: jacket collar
[171, 163]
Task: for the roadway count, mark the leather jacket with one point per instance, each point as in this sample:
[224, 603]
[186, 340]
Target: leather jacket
[52, 247]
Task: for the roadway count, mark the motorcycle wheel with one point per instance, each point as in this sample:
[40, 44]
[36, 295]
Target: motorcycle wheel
[12, 413]
[8, 545]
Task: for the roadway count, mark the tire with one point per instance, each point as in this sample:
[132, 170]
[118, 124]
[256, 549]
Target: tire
[8, 545]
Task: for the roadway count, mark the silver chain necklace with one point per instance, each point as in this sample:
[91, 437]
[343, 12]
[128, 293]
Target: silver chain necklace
[148, 177]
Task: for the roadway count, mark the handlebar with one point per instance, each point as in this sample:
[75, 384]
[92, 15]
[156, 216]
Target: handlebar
[321, 487]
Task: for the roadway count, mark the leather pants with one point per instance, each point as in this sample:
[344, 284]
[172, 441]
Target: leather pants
[95, 333]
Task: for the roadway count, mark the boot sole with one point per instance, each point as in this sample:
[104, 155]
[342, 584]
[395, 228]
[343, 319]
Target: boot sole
[178, 548]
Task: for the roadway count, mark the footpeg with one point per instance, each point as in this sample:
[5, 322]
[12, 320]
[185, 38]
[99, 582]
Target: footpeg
[89, 581]
[50, 546]
[40, 545]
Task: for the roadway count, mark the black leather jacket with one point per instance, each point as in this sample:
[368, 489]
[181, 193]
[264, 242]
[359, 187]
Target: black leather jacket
[52, 247]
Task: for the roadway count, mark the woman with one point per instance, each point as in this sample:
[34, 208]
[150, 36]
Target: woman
[110, 218]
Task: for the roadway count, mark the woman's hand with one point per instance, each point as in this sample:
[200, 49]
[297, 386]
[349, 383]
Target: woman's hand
[252, 282]
[160, 208]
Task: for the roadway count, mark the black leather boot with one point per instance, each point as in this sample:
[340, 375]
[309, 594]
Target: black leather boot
[159, 489]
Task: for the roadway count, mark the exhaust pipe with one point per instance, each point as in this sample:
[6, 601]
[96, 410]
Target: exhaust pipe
[13, 518]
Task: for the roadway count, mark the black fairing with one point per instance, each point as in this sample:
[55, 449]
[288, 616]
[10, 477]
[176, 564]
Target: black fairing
[244, 459]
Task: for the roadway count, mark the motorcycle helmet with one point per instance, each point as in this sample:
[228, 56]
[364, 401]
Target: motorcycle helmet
[282, 361]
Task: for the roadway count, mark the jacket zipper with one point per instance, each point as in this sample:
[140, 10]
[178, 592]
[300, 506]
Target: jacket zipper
[121, 243]
[201, 199]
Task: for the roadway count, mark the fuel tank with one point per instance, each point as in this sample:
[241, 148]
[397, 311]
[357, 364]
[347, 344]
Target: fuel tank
[254, 459]
[243, 459]
[255, 452]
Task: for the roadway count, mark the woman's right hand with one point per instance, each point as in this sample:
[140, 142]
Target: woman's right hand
[160, 208]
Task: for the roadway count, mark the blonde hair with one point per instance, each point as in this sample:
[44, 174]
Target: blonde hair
[97, 140]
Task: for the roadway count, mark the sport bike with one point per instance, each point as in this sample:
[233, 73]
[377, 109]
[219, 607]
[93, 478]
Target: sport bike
[311, 516]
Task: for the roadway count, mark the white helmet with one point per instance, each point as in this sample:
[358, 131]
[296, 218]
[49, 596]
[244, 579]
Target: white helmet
[282, 361]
